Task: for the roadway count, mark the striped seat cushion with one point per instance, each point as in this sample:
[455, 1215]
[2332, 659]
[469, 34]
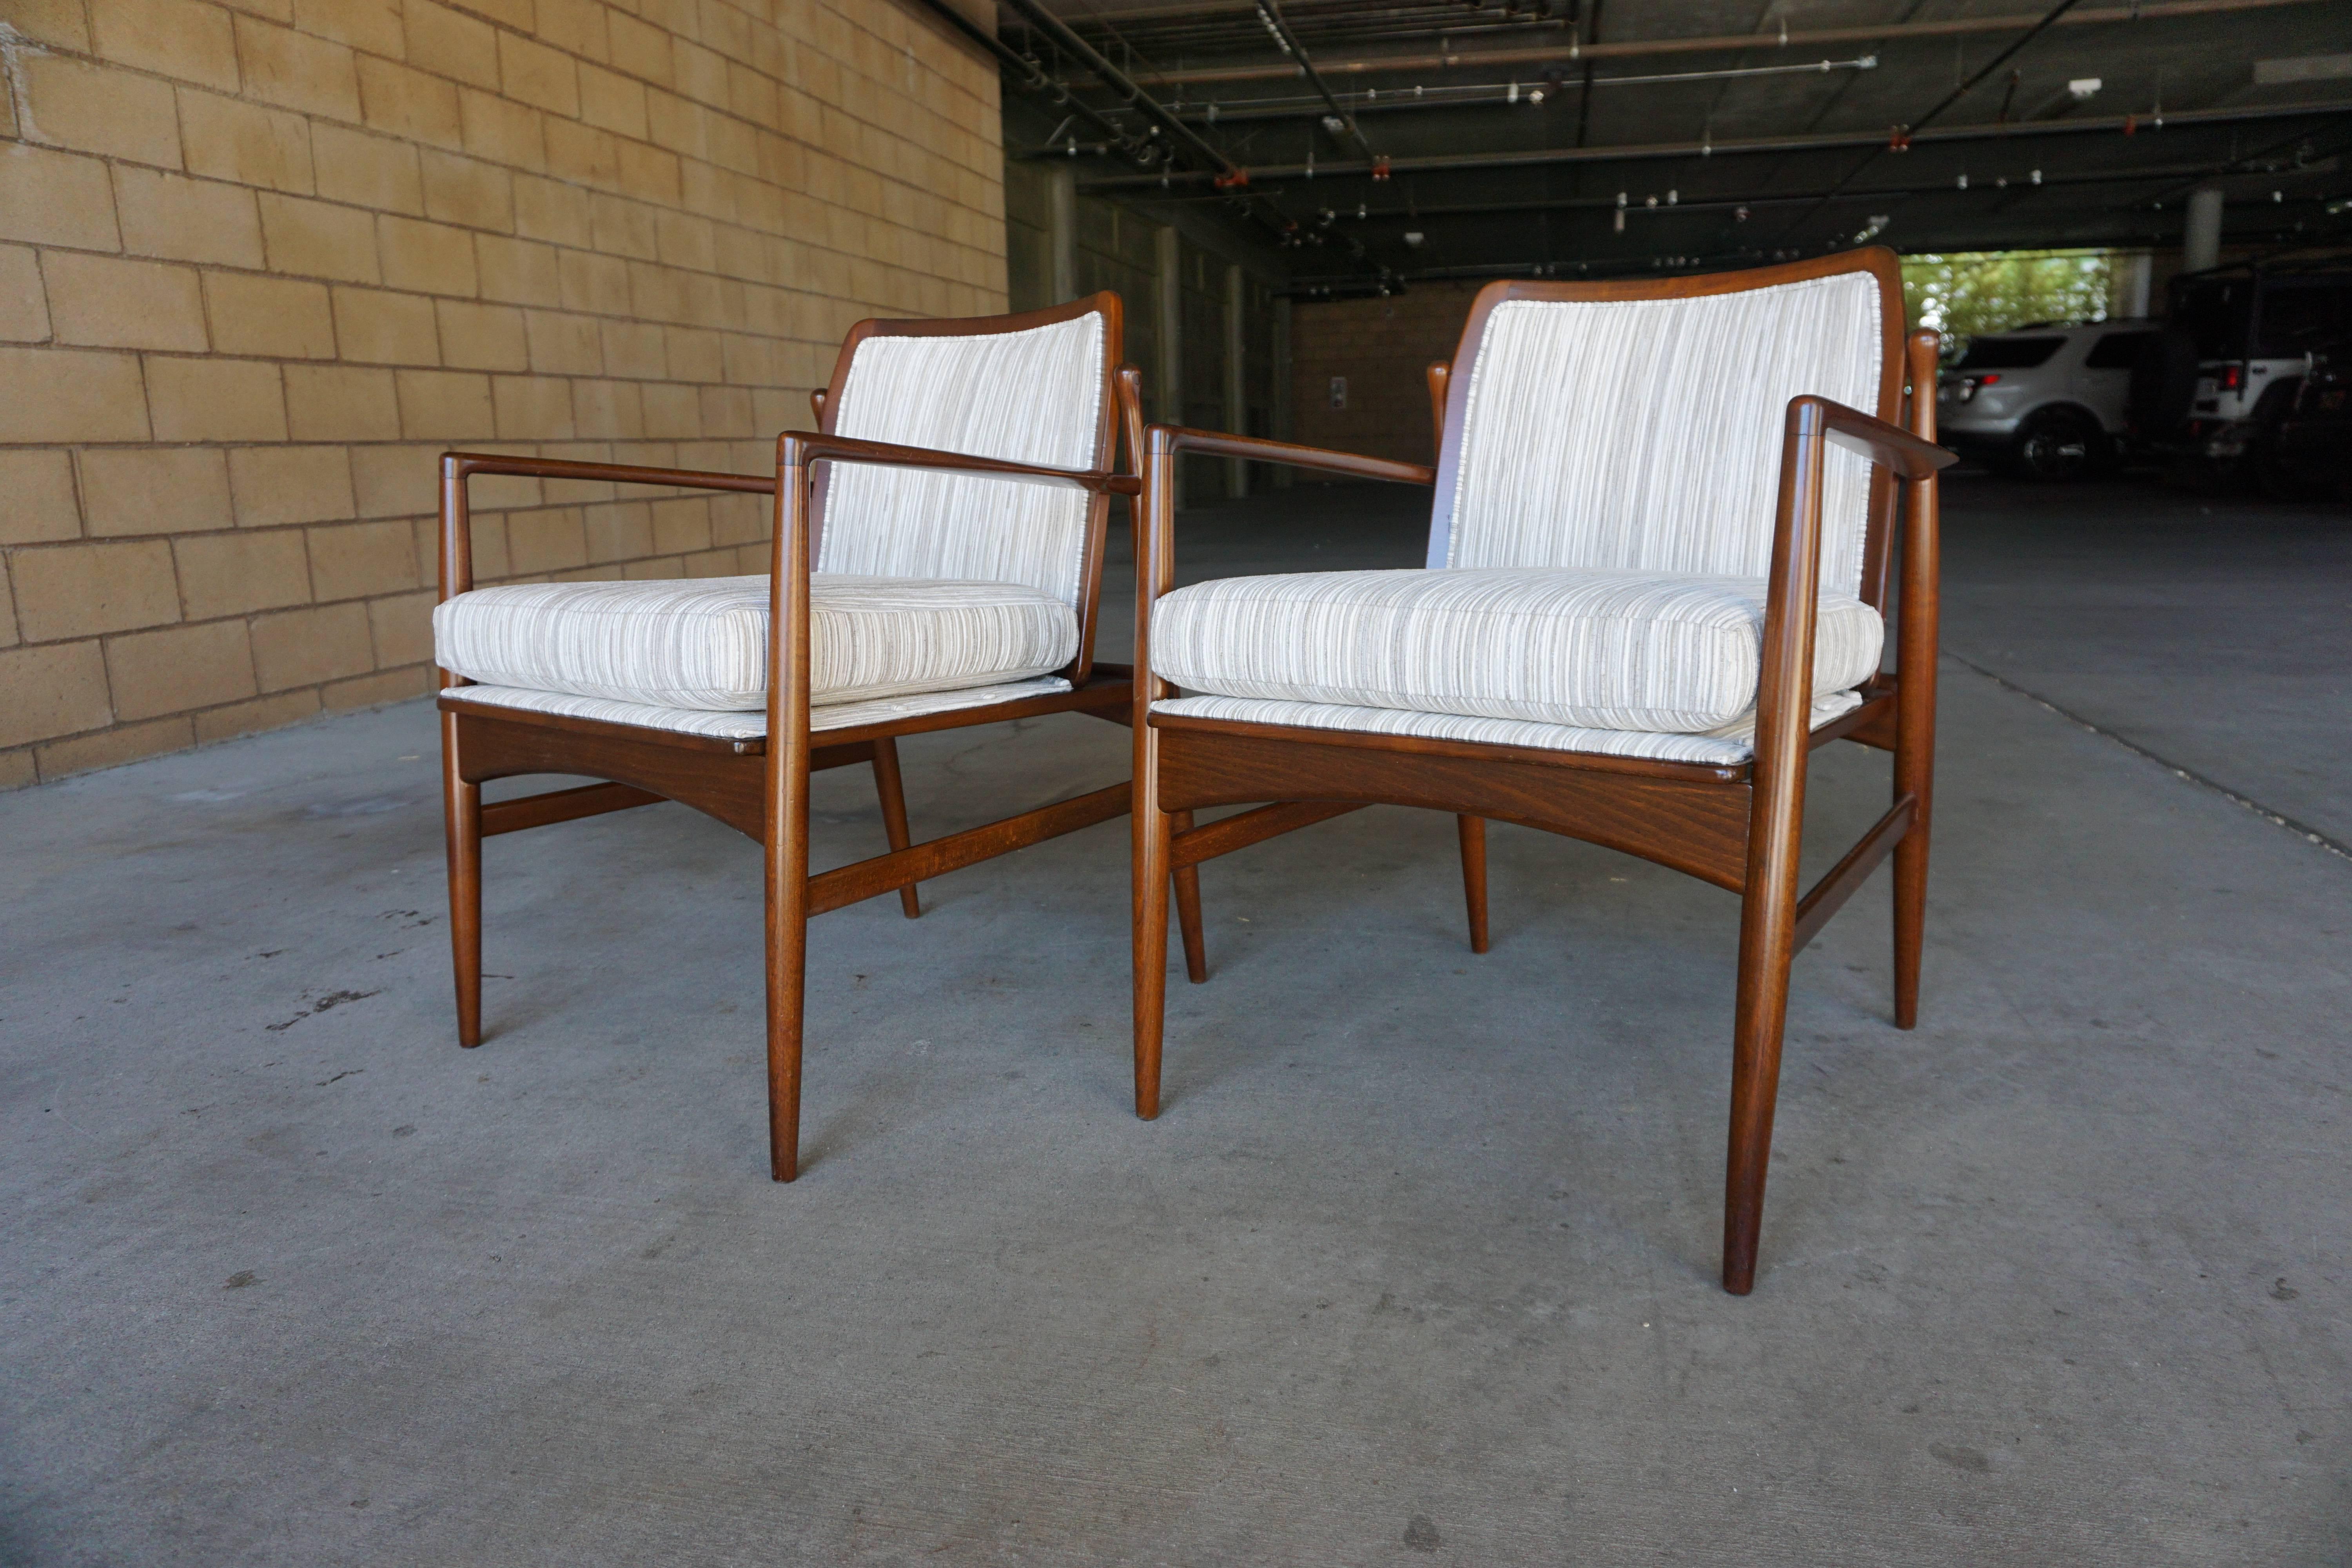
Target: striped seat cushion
[703, 644]
[1595, 649]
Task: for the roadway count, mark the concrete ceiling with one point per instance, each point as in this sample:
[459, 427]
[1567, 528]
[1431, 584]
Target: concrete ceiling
[1728, 146]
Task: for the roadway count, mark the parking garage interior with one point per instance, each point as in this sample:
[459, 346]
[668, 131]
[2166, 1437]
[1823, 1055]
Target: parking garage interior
[1419, 1262]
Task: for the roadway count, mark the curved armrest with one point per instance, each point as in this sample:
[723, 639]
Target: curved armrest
[1172, 438]
[1889, 445]
[800, 449]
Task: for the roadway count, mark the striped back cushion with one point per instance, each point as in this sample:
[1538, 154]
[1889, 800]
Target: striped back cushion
[1645, 434]
[1033, 396]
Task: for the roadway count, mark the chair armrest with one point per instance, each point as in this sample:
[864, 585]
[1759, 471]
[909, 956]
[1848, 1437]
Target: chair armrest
[801, 448]
[1173, 438]
[1889, 445]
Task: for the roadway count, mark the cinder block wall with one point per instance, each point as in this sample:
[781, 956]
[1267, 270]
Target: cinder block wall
[260, 262]
[1384, 347]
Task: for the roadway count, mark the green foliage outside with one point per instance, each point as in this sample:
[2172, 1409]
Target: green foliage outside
[1962, 295]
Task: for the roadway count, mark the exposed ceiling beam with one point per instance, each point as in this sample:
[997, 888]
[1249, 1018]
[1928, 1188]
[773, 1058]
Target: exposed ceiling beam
[1630, 48]
[1811, 142]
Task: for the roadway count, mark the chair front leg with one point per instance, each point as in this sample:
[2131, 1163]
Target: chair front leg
[785, 848]
[1474, 868]
[461, 812]
[1187, 909]
[1154, 835]
[888, 784]
[1768, 944]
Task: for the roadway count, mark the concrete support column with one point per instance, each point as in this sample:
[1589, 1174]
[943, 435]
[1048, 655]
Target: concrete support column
[1168, 278]
[1282, 432]
[1236, 384]
[2129, 280]
[2200, 243]
[1062, 230]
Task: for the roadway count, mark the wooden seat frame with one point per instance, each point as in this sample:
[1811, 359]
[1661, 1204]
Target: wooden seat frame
[761, 787]
[1739, 828]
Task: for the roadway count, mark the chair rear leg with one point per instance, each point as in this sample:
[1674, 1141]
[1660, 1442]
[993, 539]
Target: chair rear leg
[461, 813]
[892, 789]
[1474, 877]
[787, 900]
[1910, 920]
[1187, 909]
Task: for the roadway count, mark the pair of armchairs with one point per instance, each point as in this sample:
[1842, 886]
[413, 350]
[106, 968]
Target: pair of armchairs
[1660, 554]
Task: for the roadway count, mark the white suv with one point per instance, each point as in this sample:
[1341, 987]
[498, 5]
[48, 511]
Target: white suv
[2044, 402]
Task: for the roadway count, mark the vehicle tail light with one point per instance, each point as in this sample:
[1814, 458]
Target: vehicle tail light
[1985, 380]
[2231, 379]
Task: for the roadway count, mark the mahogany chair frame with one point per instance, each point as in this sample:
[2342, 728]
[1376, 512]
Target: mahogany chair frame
[761, 787]
[1739, 828]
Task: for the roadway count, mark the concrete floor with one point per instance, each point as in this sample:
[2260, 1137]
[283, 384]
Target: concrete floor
[1418, 1266]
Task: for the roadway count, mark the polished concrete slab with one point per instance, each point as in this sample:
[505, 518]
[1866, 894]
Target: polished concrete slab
[1416, 1267]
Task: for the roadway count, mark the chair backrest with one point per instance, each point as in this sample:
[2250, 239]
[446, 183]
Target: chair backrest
[1033, 388]
[1638, 424]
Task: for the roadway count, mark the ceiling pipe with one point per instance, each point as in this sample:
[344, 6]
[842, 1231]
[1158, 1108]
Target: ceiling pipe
[1632, 49]
[1818, 141]
[1118, 81]
[1271, 12]
[1030, 77]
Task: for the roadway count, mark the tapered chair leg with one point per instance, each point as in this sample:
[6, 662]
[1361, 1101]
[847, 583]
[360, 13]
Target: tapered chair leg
[1767, 946]
[462, 817]
[1474, 877]
[1910, 920]
[1153, 830]
[787, 898]
[893, 791]
[1187, 909]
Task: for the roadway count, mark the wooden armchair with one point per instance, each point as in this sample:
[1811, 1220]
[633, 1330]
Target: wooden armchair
[942, 568]
[1659, 555]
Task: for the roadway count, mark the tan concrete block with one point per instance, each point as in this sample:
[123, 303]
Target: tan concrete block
[186, 667]
[368, 171]
[371, 25]
[98, 108]
[318, 240]
[681, 525]
[684, 240]
[532, 409]
[639, 47]
[271, 10]
[24, 311]
[156, 490]
[305, 647]
[178, 38]
[449, 43]
[552, 211]
[466, 190]
[613, 102]
[738, 519]
[81, 590]
[296, 70]
[253, 717]
[575, 27]
[727, 411]
[503, 132]
[241, 569]
[622, 227]
[550, 540]
[55, 690]
[538, 75]
[403, 628]
[674, 123]
[692, 354]
[518, 272]
[607, 410]
[563, 345]
[622, 532]
[429, 257]
[17, 769]
[112, 748]
[395, 481]
[215, 400]
[713, 563]
[444, 405]
[635, 349]
[109, 302]
[275, 485]
[65, 395]
[672, 411]
[182, 219]
[245, 142]
[409, 103]
[359, 559]
[274, 316]
[595, 283]
[375, 326]
[650, 173]
[481, 337]
[375, 690]
[341, 403]
[700, 73]
[58, 22]
[583, 155]
[37, 498]
[55, 198]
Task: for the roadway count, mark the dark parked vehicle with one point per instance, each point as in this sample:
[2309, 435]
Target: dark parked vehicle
[2214, 385]
[2309, 451]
